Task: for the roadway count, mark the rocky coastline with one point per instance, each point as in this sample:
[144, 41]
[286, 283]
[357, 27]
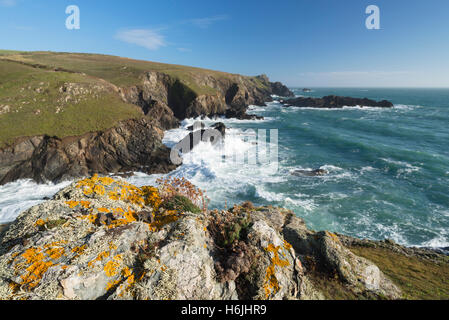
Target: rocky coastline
[164, 101]
[102, 238]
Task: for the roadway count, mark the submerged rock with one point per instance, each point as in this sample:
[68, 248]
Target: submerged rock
[310, 173]
[63, 249]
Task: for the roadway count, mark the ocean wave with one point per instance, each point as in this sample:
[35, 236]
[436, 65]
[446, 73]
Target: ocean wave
[18, 196]
[402, 167]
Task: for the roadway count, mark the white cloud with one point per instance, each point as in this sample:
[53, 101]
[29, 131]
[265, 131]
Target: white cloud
[8, 3]
[206, 22]
[147, 38]
[184, 50]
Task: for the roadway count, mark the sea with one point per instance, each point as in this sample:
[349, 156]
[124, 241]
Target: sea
[387, 169]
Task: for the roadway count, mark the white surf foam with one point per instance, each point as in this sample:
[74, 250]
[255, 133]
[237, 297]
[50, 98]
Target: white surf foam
[21, 195]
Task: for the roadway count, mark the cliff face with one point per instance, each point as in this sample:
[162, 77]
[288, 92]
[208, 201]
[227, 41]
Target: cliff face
[105, 239]
[134, 145]
[164, 96]
[173, 100]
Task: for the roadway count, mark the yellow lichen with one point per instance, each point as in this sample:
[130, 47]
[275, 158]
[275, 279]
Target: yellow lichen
[35, 258]
[40, 223]
[271, 284]
[78, 251]
[100, 257]
[112, 284]
[111, 268]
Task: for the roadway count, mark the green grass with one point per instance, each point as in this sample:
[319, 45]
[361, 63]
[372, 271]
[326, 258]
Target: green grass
[9, 52]
[35, 113]
[119, 71]
[418, 279]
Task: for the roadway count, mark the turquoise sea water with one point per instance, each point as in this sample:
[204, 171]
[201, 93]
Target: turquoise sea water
[388, 168]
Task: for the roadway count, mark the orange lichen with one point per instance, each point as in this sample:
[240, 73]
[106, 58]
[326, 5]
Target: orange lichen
[287, 246]
[73, 204]
[40, 223]
[111, 267]
[271, 283]
[100, 257]
[78, 251]
[55, 253]
[34, 257]
[333, 236]
[163, 219]
[112, 284]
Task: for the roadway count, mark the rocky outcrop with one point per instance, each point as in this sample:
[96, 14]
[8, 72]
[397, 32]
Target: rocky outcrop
[332, 102]
[133, 145]
[281, 90]
[148, 248]
[228, 96]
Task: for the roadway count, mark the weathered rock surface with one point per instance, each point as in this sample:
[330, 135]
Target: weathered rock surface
[64, 249]
[134, 145]
[336, 102]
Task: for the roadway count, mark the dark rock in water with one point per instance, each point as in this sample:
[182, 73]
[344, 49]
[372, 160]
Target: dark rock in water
[197, 125]
[306, 90]
[310, 173]
[241, 115]
[331, 102]
[220, 127]
[281, 90]
[194, 138]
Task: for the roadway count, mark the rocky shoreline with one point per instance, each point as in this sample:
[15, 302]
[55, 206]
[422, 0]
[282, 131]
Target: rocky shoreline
[164, 100]
[102, 238]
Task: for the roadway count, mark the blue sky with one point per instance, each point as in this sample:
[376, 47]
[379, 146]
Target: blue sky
[299, 42]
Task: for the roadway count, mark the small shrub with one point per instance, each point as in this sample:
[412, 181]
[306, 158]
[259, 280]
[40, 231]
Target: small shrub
[181, 204]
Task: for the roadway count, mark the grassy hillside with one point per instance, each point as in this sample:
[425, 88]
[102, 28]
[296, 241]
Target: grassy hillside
[65, 94]
[36, 101]
[116, 70]
[417, 278]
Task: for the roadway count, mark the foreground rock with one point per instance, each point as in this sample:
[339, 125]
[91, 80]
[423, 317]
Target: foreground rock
[333, 102]
[105, 239]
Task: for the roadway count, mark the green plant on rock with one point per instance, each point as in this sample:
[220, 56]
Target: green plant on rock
[181, 204]
[235, 230]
